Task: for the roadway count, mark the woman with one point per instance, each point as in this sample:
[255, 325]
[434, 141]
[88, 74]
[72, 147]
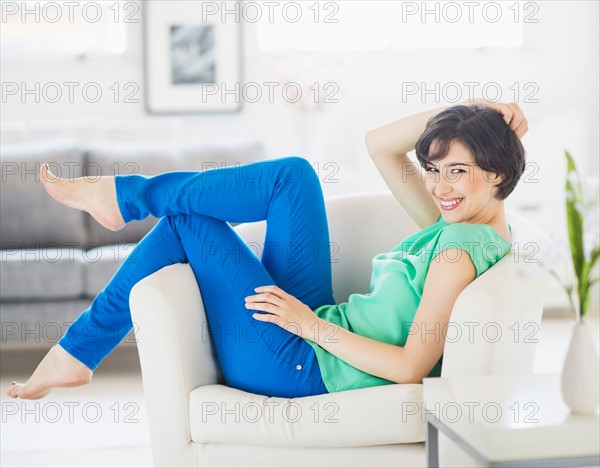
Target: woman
[275, 325]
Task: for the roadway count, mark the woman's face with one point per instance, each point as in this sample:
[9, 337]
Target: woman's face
[461, 189]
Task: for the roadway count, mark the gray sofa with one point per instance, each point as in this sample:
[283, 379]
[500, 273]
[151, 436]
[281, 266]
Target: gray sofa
[55, 259]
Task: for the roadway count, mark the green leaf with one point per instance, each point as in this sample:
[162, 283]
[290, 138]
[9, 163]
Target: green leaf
[594, 257]
[584, 301]
[574, 222]
[585, 285]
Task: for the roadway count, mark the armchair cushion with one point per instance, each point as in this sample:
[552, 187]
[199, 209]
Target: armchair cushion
[388, 414]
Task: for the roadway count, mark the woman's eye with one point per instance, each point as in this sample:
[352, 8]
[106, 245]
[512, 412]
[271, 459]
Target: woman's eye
[454, 171]
[429, 169]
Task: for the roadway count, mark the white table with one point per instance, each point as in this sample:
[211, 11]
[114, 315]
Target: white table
[509, 421]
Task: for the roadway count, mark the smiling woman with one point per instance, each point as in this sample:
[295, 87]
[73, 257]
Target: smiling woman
[473, 160]
[476, 137]
[297, 340]
[470, 151]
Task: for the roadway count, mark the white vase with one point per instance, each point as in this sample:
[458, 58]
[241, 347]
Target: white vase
[580, 380]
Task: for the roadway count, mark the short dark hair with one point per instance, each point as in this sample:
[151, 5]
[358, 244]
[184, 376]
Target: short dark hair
[483, 131]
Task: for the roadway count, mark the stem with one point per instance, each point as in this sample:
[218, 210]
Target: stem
[568, 290]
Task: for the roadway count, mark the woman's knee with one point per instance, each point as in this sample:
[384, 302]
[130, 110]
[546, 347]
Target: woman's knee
[190, 220]
[297, 168]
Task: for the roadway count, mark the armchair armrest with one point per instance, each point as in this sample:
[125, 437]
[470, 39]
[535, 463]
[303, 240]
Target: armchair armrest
[176, 356]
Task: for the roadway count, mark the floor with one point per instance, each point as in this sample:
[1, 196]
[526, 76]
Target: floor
[105, 423]
[101, 424]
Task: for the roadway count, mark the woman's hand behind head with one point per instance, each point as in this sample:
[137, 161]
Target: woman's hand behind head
[512, 113]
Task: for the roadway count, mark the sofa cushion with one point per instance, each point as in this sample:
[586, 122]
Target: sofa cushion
[155, 157]
[29, 215]
[100, 265]
[44, 273]
[388, 414]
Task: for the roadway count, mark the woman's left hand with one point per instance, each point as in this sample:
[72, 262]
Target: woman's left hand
[283, 310]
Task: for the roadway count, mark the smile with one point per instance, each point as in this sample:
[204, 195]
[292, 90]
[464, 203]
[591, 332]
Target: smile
[450, 204]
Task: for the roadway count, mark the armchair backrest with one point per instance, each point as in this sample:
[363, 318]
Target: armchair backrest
[499, 314]
[494, 326]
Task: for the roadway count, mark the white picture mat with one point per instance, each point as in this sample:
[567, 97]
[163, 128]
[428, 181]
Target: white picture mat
[161, 94]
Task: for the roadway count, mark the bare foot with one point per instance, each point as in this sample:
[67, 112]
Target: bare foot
[57, 369]
[97, 196]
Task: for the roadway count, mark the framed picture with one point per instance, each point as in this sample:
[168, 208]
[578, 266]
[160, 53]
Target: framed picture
[192, 58]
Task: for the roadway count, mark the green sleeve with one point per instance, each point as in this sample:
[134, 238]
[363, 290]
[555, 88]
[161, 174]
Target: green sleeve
[472, 239]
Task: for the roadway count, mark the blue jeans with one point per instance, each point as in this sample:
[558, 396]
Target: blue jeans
[194, 210]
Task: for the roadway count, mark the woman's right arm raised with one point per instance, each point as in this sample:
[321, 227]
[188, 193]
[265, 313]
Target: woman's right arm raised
[388, 146]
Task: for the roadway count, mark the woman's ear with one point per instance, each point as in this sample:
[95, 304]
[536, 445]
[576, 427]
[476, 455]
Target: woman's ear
[495, 179]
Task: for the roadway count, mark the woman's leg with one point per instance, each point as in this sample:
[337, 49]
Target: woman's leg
[259, 357]
[296, 255]
[235, 194]
[288, 194]
[101, 327]
[285, 191]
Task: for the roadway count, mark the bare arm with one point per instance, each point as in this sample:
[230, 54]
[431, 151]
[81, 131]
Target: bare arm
[399, 136]
[388, 147]
[389, 144]
[448, 275]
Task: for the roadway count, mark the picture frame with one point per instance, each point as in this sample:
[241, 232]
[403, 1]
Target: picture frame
[192, 60]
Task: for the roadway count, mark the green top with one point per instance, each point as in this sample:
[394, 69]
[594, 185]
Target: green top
[387, 311]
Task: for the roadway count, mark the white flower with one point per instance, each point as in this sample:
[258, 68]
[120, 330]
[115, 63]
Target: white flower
[590, 241]
[588, 245]
[530, 269]
[590, 186]
[552, 255]
[535, 258]
[573, 178]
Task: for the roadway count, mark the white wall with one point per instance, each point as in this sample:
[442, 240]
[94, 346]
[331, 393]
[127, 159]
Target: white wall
[560, 54]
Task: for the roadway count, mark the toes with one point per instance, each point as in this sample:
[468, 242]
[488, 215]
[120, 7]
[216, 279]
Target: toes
[46, 175]
[43, 168]
[44, 172]
[18, 390]
[24, 394]
[14, 390]
[27, 394]
[50, 175]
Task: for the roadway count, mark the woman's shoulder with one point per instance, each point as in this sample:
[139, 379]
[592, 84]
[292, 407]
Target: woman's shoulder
[447, 235]
[469, 231]
[479, 236]
[481, 241]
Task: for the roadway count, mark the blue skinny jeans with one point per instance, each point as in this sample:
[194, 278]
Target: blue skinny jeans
[194, 210]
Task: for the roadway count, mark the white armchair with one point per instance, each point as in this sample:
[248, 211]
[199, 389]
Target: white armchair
[196, 420]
